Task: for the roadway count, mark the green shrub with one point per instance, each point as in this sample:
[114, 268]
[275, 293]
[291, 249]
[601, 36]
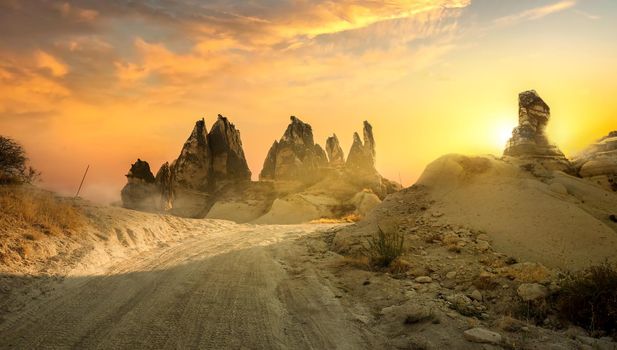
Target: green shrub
[385, 247]
[589, 299]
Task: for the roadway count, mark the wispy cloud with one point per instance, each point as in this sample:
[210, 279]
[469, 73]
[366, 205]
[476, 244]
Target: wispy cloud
[535, 13]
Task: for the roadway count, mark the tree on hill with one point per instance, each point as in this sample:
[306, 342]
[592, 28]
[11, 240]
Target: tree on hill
[14, 168]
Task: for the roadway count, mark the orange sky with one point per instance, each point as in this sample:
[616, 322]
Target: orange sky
[102, 83]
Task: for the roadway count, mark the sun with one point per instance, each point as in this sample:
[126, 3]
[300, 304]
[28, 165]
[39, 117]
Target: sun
[502, 132]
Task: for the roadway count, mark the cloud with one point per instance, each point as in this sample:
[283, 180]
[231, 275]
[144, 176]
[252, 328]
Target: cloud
[535, 13]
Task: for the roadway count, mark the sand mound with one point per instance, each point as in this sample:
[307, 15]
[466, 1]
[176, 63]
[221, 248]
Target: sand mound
[532, 214]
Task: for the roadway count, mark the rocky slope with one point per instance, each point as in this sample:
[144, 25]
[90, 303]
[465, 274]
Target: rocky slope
[488, 241]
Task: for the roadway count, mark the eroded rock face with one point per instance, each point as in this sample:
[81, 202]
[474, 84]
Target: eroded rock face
[164, 185]
[362, 154]
[193, 168]
[529, 138]
[140, 193]
[335, 153]
[599, 162]
[295, 157]
[228, 160]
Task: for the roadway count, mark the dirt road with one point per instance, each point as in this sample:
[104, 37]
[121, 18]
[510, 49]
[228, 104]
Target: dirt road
[242, 288]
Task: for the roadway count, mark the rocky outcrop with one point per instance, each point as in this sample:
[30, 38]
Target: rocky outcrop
[295, 157]
[193, 168]
[302, 181]
[228, 160]
[207, 162]
[164, 185]
[335, 153]
[599, 162]
[192, 174]
[140, 193]
[529, 140]
[362, 154]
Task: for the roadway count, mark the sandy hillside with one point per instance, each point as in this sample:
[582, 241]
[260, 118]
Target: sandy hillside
[548, 217]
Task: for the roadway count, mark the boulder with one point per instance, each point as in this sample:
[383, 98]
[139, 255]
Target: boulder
[599, 162]
[140, 193]
[482, 335]
[335, 153]
[529, 140]
[531, 291]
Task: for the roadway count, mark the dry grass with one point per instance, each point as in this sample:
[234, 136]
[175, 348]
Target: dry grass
[347, 219]
[385, 247]
[40, 210]
[589, 299]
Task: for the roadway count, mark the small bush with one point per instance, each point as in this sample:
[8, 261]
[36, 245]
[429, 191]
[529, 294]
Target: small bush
[589, 299]
[13, 163]
[385, 247]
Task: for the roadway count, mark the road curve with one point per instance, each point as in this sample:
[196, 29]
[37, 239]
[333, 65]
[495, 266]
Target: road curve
[244, 288]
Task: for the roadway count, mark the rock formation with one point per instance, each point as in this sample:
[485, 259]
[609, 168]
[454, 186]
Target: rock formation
[211, 178]
[599, 162]
[295, 157]
[164, 184]
[228, 160]
[529, 140]
[193, 168]
[140, 193]
[335, 153]
[362, 154]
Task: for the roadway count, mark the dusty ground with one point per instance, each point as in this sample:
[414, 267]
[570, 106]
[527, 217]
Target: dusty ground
[131, 280]
[240, 286]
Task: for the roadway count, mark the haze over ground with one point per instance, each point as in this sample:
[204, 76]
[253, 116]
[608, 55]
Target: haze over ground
[88, 82]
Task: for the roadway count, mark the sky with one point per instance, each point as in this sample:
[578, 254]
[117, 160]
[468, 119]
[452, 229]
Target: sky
[102, 83]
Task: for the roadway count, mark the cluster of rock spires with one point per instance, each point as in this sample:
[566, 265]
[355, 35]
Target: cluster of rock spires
[211, 177]
[530, 145]
[207, 163]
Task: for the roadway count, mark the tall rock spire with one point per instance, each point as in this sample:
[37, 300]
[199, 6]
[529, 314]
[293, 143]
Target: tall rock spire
[228, 160]
[335, 153]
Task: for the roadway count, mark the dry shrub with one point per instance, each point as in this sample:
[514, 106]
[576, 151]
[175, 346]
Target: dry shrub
[347, 219]
[38, 209]
[589, 299]
[385, 247]
[359, 262]
[485, 282]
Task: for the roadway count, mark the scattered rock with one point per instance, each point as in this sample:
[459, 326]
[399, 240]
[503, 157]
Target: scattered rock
[451, 275]
[531, 291]
[476, 295]
[424, 279]
[482, 335]
[482, 245]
